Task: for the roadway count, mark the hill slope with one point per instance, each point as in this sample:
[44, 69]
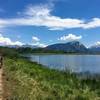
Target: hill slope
[74, 46]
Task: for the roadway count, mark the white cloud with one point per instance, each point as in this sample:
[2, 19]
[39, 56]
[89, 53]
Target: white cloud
[8, 41]
[92, 24]
[40, 44]
[35, 39]
[3, 23]
[41, 16]
[70, 37]
[40, 10]
[97, 43]
[36, 42]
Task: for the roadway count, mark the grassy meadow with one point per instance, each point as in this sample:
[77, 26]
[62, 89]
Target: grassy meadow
[25, 80]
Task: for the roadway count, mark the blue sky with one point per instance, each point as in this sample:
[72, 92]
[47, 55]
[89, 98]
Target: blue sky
[45, 22]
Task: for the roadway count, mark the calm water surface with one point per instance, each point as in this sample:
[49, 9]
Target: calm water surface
[74, 63]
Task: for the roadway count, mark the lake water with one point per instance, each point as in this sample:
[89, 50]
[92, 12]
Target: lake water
[74, 63]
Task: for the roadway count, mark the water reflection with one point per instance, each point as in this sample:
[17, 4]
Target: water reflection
[74, 63]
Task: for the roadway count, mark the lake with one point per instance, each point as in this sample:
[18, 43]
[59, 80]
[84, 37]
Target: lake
[74, 63]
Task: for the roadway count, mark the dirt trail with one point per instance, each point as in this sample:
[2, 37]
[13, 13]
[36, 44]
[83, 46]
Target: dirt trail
[1, 84]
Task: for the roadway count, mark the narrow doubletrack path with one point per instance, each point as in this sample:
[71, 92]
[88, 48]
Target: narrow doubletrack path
[1, 84]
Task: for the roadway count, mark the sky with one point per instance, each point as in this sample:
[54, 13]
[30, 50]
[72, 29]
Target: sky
[46, 22]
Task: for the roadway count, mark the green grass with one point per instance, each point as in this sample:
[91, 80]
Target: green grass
[31, 81]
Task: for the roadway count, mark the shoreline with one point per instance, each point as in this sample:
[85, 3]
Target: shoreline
[59, 54]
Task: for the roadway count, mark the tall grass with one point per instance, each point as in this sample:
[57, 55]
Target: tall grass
[30, 81]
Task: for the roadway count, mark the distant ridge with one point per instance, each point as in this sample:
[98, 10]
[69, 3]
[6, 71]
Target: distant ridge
[23, 46]
[69, 47]
[74, 46]
[95, 48]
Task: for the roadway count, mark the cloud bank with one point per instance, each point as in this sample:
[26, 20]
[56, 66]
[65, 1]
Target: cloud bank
[41, 15]
[7, 41]
[35, 39]
[97, 43]
[70, 37]
[36, 42]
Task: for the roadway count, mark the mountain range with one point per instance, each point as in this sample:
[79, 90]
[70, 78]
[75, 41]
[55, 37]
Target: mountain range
[70, 47]
[74, 47]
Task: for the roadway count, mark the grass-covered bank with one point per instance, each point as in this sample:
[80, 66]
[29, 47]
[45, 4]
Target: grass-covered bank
[29, 81]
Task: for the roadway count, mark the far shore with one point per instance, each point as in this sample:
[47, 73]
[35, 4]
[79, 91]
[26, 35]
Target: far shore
[63, 53]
